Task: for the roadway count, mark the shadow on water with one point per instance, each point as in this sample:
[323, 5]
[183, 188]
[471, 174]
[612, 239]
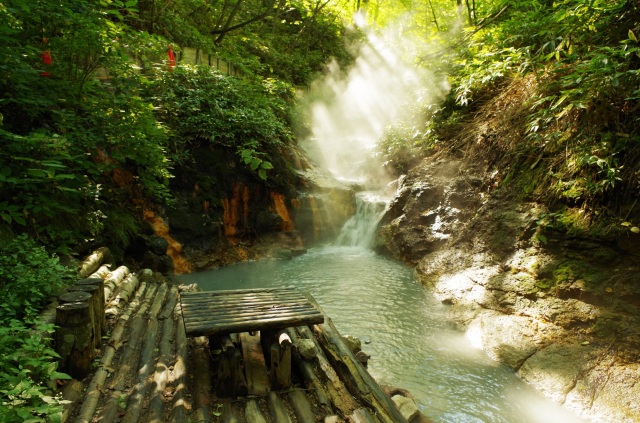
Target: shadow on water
[403, 328]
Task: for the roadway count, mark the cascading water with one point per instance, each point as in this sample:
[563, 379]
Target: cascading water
[360, 229]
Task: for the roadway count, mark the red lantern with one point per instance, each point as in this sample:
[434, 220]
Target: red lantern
[46, 58]
[172, 58]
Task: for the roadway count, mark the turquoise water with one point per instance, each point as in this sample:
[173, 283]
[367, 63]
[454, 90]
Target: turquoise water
[404, 329]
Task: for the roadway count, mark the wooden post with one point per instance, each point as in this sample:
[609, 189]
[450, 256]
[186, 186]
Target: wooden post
[280, 369]
[95, 311]
[231, 380]
[99, 282]
[73, 338]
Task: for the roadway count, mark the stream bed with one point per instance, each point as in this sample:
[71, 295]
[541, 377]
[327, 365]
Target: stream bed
[404, 329]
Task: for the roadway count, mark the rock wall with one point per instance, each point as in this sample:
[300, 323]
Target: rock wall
[562, 312]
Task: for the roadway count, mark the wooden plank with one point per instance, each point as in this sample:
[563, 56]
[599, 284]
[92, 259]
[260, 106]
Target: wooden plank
[250, 309]
[206, 296]
[210, 328]
[267, 313]
[233, 308]
[254, 365]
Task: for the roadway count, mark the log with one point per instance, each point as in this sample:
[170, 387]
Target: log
[93, 262]
[99, 282]
[161, 375]
[280, 358]
[122, 294]
[178, 378]
[201, 380]
[301, 407]
[71, 392]
[102, 272]
[74, 338]
[140, 389]
[277, 409]
[340, 396]
[228, 414]
[128, 359]
[252, 413]
[94, 390]
[363, 415]
[229, 370]
[96, 311]
[231, 325]
[254, 365]
[354, 375]
[114, 279]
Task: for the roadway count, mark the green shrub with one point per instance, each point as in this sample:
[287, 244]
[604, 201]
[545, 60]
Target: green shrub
[28, 365]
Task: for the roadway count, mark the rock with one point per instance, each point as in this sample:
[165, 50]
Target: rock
[555, 370]
[306, 348]
[407, 406]
[353, 343]
[284, 253]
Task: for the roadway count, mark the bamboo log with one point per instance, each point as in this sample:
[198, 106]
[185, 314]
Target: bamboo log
[140, 389]
[201, 380]
[277, 409]
[161, 375]
[128, 359]
[301, 407]
[252, 413]
[178, 377]
[254, 365]
[355, 376]
[74, 337]
[209, 311]
[114, 279]
[156, 307]
[88, 408]
[93, 261]
[251, 324]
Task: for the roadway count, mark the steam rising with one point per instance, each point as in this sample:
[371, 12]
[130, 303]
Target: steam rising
[353, 111]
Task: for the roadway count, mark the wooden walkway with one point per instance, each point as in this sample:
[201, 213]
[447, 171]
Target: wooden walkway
[155, 367]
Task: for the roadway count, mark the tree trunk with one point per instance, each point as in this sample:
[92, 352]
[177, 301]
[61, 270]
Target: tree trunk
[74, 337]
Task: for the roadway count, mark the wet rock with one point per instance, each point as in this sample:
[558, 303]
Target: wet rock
[306, 348]
[406, 406]
[353, 343]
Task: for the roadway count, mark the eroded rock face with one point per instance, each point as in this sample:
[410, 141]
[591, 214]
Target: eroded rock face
[563, 312]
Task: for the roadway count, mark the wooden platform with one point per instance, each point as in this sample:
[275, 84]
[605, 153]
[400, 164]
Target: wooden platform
[216, 313]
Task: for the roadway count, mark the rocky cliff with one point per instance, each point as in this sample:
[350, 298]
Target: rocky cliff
[562, 311]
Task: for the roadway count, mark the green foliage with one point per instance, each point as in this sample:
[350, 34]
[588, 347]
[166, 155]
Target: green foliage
[205, 107]
[28, 277]
[28, 365]
[28, 371]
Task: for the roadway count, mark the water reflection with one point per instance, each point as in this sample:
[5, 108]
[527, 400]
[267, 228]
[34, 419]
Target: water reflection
[405, 331]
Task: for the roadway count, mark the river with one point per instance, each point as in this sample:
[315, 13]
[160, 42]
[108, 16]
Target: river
[403, 328]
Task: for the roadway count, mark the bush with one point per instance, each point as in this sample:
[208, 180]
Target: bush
[28, 365]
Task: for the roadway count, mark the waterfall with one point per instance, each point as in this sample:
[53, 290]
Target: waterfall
[360, 229]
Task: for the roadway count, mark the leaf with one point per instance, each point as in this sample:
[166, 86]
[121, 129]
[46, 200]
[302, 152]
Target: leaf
[635, 230]
[632, 36]
[625, 224]
[585, 343]
[609, 290]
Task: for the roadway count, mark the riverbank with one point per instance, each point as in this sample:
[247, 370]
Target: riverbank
[561, 311]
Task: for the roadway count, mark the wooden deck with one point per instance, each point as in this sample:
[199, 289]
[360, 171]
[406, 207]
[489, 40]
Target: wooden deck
[215, 313]
[154, 366]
